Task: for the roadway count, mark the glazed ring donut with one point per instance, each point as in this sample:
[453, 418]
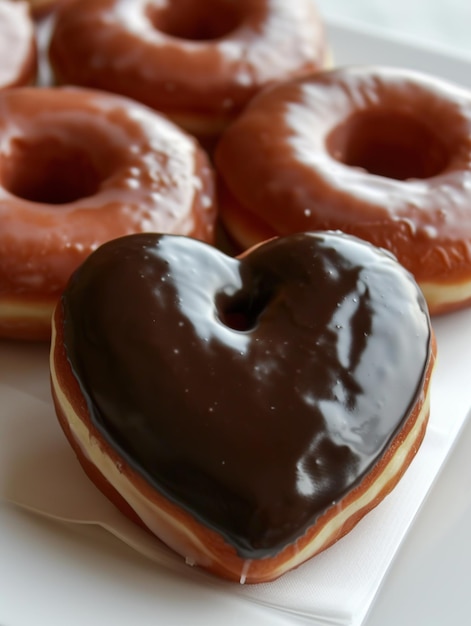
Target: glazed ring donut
[332, 329]
[17, 45]
[198, 62]
[381, 153]
[78, 168]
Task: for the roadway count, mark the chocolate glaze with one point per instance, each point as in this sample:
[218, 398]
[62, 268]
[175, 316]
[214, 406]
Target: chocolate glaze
[254, 393]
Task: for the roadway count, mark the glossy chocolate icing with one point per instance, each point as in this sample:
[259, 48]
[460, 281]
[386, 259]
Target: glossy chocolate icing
[254, 393]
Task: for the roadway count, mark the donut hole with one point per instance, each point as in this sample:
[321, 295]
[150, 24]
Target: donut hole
[238, 320]
[242, 313]
[195, 20]
[389, 144]
[48, 171]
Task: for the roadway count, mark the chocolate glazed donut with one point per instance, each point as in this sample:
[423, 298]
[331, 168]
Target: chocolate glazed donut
[247, 411]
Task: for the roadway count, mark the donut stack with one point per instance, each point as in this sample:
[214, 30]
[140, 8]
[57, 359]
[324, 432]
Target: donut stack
[206, 211]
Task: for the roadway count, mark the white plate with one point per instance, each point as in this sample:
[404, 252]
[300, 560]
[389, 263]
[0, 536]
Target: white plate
[54, 575]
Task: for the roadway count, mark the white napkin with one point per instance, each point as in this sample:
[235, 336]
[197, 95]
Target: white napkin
[39, 472]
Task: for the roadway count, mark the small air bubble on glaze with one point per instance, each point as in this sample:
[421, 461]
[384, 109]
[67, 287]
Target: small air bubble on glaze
[244, 79]
[430, 231]
[206, 201]
[132, 183]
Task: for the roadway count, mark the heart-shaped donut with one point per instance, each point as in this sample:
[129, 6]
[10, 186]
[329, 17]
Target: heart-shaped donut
[248, 411]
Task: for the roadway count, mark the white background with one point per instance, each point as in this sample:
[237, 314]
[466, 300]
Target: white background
[445, 24]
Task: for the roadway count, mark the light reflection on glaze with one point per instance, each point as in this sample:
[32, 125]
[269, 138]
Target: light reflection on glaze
[309, 167]
[226, 382]
[131, 171]
[196, 297]
[117, 45]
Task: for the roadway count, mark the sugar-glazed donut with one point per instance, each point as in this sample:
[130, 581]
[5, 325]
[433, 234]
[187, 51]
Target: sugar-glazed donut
[198, 62]
[381, 153]
[78, 168]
